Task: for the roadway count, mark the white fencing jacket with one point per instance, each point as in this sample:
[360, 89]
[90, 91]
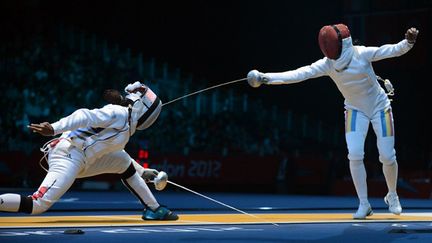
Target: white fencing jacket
[352, 73]
[96, 132]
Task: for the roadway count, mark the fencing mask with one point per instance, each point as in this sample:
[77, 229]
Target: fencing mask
[330, 40]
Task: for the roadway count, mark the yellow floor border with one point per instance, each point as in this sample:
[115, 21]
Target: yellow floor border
[200, 219]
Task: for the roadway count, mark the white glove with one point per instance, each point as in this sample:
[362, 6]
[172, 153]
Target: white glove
[255, 78]
[160, 181]
[135, 87]
[149, 174]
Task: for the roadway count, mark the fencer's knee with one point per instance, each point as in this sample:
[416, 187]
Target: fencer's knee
[389, 159]
[355, 154]
[129, 172]
[387, 155]
[40, 206]
[355, 151]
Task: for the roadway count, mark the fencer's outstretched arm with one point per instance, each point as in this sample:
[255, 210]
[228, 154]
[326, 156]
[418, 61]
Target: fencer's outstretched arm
[109, 115]
[390, 50]
[323, 66]
[315, 70]
[374, 54]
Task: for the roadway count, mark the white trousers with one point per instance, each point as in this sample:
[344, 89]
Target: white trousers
[356, 129]
[66, 163]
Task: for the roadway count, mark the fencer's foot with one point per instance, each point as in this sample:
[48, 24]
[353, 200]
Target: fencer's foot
[392, 200]
[161, 213]
[363, 211]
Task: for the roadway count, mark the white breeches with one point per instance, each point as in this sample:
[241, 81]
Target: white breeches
[66, 163]
[356, 128]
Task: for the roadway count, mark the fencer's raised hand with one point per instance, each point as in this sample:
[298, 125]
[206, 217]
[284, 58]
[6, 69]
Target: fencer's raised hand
[135, 87]
[255, 78]
[411, 35]
[43, 128]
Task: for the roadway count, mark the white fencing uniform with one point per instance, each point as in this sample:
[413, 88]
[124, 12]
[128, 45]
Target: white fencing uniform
[365, 102]
[352, 73]
[356, 80]
[92, 143]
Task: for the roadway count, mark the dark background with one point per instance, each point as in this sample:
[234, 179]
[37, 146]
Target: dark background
[222, 40]
[219, 41]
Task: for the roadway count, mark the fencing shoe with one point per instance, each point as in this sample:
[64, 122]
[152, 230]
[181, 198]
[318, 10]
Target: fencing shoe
[161, 213]
[392, 200]
[363, 211]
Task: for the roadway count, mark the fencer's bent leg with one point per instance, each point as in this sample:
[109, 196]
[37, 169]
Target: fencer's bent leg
[65, 162]
[120, 163]
[64, 165]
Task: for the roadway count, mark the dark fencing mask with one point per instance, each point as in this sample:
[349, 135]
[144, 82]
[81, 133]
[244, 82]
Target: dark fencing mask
[330, 40]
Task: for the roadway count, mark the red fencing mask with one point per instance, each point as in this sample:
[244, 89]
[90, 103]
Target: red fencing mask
[330, 40]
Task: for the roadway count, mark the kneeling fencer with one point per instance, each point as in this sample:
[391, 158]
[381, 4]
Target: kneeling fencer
[350, 67]
[92, 142]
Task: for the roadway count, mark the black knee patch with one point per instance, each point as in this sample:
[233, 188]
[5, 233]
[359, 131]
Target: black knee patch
[26, 205]
[130, 171]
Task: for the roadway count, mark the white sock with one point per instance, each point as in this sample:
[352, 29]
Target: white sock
[10, 202]
[391, 175]
[139, 188]
[358, 174]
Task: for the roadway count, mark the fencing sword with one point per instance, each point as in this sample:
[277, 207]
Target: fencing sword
[221, 203]
[202, 90]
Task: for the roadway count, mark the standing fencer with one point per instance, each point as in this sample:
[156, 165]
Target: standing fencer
[350, 67]
[91, 143]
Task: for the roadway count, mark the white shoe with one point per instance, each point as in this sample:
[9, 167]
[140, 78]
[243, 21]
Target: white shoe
[363, 211]
[392, 200]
